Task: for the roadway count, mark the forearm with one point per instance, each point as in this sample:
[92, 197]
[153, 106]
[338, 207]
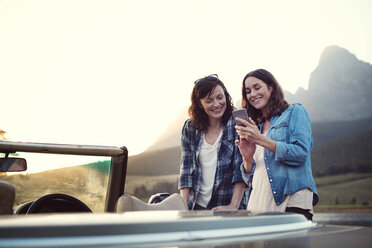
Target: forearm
[247, 164]
[267, 143]
[237, 194]
[184, 192]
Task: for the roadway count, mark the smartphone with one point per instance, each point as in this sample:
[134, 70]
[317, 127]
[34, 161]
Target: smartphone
[241, 113]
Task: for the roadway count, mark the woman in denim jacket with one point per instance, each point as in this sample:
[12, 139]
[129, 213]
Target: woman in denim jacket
[210, 175]
[275, 144]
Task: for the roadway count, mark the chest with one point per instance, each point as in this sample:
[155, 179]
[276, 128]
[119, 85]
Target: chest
[265, 127]
[212, 136]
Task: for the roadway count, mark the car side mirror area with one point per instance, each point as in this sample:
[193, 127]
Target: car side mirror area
[13, 164]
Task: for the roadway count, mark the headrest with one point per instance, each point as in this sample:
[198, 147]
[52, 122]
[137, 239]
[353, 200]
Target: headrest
[132, 203]
[7, 193]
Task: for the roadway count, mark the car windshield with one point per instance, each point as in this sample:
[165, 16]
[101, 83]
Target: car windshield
[83, 177]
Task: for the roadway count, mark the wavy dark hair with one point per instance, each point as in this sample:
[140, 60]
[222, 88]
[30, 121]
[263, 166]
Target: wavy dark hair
[277, 104]
[202, 88]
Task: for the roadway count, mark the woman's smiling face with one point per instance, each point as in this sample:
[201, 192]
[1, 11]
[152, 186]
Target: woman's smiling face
[257, 93]
[214, 104]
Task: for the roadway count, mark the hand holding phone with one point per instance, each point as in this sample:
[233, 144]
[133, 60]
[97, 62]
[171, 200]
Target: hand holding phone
[241, 113]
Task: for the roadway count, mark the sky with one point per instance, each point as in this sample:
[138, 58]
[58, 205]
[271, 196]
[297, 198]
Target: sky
[104, 72]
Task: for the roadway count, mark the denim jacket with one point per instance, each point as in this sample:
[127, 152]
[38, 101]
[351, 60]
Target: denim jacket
[289, 168]
[228, 165]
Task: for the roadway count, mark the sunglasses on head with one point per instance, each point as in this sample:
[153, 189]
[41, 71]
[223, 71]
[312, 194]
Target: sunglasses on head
[211, 77]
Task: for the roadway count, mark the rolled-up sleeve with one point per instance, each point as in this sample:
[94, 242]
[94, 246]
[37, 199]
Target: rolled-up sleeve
[247, 177]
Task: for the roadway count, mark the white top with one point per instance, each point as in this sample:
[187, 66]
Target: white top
[208, 162]
[262, 199]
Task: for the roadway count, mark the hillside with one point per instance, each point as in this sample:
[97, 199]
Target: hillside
[345, 188]
[326, 131]
[162, 162]
[343, 155]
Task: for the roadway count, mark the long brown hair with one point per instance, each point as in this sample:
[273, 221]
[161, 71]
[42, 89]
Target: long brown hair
[276, 104]
[202, 88]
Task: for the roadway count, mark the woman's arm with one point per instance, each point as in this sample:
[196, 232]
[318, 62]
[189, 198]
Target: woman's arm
[248, 165]
[184, 192]
[235, 200]
[185, 178]
[266, 143]
[247, 150]
[237, 195]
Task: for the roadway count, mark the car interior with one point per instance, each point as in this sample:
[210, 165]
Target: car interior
[61, 203]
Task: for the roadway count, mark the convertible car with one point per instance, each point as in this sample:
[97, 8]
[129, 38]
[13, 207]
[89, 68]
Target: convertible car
[98, 212]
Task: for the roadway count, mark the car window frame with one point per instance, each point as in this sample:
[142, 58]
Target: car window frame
[118, 166]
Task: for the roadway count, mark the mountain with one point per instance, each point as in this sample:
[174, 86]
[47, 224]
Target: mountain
[339, 88]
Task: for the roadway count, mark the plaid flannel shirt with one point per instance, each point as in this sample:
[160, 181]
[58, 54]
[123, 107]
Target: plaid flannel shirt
[228, 165]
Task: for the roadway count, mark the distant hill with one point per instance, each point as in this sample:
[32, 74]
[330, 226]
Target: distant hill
[339, 88]
[153, 163]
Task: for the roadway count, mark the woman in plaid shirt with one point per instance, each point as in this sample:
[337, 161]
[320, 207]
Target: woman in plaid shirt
[210, 176]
